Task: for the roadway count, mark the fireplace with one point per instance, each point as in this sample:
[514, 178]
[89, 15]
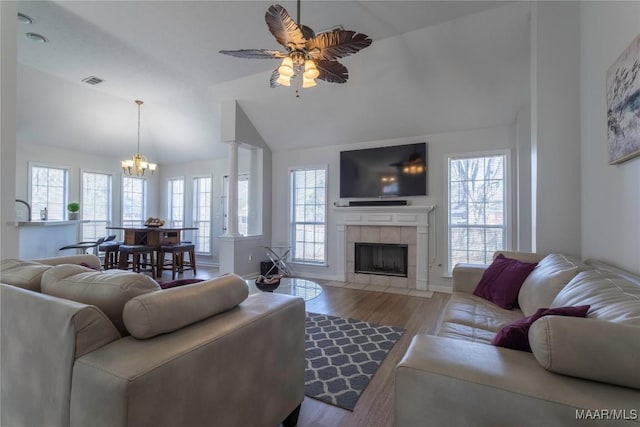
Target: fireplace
[381, 259]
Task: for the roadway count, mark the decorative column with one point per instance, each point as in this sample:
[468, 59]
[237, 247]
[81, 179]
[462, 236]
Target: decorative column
[422, 254]
[255, 193]
[232, 205]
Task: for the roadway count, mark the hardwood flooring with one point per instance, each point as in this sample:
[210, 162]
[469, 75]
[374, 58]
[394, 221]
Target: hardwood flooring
[376, 405]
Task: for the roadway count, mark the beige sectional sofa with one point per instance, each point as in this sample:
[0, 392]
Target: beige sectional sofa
[583, 371]
[90, 348]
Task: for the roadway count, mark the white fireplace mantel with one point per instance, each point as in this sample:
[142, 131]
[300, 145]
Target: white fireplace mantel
[398, 216]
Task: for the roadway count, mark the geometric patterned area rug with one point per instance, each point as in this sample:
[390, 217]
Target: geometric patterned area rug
[342, 355]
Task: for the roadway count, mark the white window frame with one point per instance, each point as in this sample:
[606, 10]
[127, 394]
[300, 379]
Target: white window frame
[170, 199]
[35, 213]
[291, 219]
[243, 177]
[195, 219]
[508, 200]
[83, 202]
[144, 201]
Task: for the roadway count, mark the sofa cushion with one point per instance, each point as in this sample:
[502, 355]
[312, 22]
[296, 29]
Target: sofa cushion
[588, 348]
[42, 338]
[23, 274]
[157, 313]
[473, 318]
[502, 280]
[611, 297]
[551, 274]
[107, 290]
[516, 335]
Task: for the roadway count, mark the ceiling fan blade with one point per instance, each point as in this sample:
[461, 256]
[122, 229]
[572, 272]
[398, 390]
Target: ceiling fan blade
[274, 78]
[337, 44]
[254, 53]
[307, 32]
[284, 28]
[332, 71]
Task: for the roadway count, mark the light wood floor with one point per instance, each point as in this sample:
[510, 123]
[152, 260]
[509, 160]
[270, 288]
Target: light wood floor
[375, 408]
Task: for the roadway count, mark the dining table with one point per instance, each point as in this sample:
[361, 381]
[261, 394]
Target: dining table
[152, 236]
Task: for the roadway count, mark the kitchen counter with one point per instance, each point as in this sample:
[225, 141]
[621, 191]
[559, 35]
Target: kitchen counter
[47, 223]
[43, 239]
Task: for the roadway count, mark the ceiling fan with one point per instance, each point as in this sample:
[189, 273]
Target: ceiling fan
[308, 54]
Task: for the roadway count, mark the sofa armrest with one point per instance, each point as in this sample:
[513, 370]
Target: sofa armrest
[467, 276]
[559, 343]
[241, 367]
[445, 381]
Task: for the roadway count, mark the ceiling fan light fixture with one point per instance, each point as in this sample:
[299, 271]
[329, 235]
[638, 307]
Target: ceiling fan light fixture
[308, 55]
[310, 70]
[286, 68]
[284, 80]
[307, 82]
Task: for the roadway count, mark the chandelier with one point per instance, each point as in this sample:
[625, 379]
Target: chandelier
[137, 165]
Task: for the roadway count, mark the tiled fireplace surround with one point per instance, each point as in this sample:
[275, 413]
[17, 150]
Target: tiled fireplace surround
[378, 234]
[394, 224]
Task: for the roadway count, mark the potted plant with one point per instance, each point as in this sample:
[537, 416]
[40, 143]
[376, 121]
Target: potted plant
[73, 209]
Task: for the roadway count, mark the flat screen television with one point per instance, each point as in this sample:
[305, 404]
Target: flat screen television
[396, 171]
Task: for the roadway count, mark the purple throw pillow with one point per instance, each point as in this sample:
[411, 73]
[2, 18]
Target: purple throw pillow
[516, 334]
[180, 282]
[84, 264]
[502, 281]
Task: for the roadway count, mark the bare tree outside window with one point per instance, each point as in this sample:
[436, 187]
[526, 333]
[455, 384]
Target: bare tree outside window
[308, 215]
[477, 208]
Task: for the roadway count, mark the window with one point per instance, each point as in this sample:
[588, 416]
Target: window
[49, 190]
[308, 215]
[202, 214]
[243, 204]
[176, 202]
[134, 201]
[96, 204]
[477, 210]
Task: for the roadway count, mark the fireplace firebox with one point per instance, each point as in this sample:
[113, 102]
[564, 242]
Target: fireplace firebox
[381, 259]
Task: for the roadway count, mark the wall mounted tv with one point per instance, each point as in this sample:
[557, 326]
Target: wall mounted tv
[396, 171]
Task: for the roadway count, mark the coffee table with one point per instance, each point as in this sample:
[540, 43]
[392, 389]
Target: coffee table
[303, 288]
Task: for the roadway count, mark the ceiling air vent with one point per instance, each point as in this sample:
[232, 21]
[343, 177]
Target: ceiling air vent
[93, 80]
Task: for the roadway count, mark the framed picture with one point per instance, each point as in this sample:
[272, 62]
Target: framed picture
[623, 105]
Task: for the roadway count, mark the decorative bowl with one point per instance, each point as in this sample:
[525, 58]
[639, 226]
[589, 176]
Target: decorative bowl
[268, 284]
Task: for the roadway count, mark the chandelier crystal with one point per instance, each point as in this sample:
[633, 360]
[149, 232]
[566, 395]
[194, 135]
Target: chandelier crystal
[138, 165]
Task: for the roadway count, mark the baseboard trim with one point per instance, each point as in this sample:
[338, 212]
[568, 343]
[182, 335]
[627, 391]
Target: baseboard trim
[440, 288]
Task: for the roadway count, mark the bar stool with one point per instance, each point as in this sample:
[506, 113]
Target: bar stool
[177, 264]
[111, 249]
[136, 251]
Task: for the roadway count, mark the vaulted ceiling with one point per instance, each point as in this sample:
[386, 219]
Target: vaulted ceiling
[433, 67]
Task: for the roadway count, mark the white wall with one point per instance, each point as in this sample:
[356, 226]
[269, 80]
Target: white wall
[8, 122]
[77, 162]
[555, 123]
[438, 147]
[610, 194]
[523, 177]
